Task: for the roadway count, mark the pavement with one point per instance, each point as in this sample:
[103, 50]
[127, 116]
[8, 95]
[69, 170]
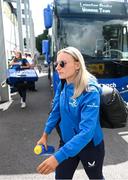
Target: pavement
[20, 129]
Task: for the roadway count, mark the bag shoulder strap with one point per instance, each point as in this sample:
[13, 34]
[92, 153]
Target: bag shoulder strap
[63, 81]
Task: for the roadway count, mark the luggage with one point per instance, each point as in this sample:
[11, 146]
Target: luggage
[113, 109]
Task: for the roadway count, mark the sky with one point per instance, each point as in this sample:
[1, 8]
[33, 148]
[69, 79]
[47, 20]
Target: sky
[37, 7]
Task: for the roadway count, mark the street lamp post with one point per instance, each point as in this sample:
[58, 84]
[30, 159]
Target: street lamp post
[19, 18]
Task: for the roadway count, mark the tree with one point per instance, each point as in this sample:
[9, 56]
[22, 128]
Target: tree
[39, 39]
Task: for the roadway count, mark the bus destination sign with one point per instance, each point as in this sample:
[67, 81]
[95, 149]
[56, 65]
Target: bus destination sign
[99, 8]
[71, 7]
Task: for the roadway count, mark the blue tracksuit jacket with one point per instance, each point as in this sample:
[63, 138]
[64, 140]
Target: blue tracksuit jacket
[79, 120]
[18, 66]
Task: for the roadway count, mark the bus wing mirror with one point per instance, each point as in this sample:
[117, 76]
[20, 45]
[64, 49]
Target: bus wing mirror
[48, 18]
[46, 50]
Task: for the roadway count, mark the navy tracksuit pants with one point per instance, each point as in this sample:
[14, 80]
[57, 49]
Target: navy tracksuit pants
[22, 89]
[91, 157]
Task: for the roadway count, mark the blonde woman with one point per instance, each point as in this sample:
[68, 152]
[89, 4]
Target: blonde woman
[77, 105]
[19, 63]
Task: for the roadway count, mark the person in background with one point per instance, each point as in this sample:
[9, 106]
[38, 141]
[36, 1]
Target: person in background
[76, 110]
[29, 58]
[19, 63]
[31, 85]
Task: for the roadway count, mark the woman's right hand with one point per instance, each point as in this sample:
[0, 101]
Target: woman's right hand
[43, 140]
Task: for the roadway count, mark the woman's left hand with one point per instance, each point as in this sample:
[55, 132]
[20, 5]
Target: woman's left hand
[47, 166]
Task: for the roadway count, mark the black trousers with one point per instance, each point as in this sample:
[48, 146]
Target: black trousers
[22, 89]
[91, 157]
[31, 85]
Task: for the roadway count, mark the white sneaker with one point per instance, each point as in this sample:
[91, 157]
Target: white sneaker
[23, 105]
[21, 101]
[4, 84]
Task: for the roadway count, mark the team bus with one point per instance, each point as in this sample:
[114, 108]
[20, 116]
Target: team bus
[99, 29]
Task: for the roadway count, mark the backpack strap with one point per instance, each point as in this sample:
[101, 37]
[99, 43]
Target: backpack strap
[63, 81]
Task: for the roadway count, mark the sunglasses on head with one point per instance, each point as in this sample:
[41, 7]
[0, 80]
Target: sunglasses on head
[61, 64]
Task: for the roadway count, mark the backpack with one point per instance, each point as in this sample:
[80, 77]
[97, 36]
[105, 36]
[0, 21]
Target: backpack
[113, 109]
